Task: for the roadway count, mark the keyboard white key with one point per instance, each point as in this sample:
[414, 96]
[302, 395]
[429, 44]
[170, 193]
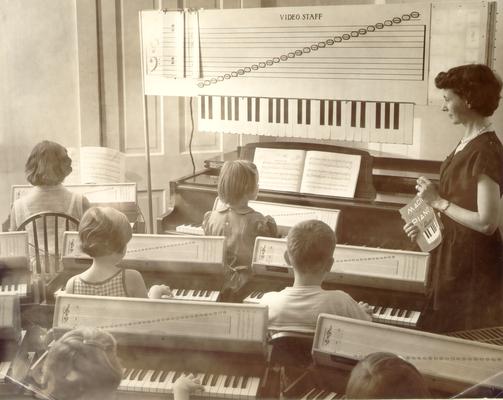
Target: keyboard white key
[4, 368]
[195, 294]
[190, 229]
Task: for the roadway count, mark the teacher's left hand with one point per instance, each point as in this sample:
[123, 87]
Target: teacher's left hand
[427, 190]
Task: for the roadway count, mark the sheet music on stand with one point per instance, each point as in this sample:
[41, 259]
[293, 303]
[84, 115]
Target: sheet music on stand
[167, 323]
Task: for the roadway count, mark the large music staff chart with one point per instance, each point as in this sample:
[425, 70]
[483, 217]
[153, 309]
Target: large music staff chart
[364, 52]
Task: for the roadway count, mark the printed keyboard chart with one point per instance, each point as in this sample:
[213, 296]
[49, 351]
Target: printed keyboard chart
[365, 52]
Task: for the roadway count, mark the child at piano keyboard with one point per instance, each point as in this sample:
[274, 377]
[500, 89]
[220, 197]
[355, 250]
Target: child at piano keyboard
[104, 233]
[310, 248]
[82, 365]
[239, 223]
[386, 376]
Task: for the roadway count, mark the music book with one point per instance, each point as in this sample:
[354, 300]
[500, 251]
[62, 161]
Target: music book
[93, 164]
[423, 216]
[308, 171]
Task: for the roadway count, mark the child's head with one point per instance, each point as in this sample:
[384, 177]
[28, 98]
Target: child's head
[238, 182]
[82, 364]
[48, 164]
[310, 246]
[385, 376]
[104, 231]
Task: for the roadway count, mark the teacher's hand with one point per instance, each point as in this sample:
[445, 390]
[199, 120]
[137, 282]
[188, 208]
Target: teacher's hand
[411, 231]
[427, 190]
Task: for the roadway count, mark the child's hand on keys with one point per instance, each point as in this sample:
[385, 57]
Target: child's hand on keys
[185, 385]
[160, 292]
[366, 307]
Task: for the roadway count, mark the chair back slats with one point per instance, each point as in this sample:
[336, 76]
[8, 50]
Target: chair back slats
[48, 266]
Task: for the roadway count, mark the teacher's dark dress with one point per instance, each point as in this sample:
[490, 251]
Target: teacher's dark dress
[467, 267]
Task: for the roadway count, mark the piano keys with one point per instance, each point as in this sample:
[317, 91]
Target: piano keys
[160, 383]
[195, 294]
[449, 364]
[362, 121]
[15, 275]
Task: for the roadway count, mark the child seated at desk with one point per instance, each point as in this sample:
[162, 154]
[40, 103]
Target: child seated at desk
[386, 376]
[47, 166]
[104, 233]
[239, 223]
[83, 365]
[310, 248]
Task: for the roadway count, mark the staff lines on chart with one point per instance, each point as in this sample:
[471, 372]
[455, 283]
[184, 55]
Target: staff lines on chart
[164, 319]
[363, 259]
[335, 39]
[163, 246]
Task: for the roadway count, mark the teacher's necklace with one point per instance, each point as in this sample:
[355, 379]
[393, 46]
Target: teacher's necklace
[463, 142]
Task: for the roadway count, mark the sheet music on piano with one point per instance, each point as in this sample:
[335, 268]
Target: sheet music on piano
[353, 265]
[14, 249]
[167, 323]
[175, 253]
[446, 361]
[315, 172]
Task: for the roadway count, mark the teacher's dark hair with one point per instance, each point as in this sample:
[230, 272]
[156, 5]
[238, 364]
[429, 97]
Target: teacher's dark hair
[477, 84]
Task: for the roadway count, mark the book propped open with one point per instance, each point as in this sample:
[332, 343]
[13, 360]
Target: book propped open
[316, 172]
[96, 165]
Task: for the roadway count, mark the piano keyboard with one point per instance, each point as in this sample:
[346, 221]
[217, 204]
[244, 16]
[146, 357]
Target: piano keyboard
[381, 314]
[215, 385]
[11, 288]
[190, 229]
[4, 368]
[362, 121]
[195, 294]
[319, 394]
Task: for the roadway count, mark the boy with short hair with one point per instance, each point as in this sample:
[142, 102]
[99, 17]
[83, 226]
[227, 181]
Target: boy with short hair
[310, 248]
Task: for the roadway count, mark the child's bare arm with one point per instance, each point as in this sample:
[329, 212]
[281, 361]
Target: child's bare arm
[69, 285]
[135, 285]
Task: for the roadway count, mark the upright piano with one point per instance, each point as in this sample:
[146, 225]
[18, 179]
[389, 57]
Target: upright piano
[371, 218]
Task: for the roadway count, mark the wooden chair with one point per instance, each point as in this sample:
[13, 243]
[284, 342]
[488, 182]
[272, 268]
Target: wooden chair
[44, 231]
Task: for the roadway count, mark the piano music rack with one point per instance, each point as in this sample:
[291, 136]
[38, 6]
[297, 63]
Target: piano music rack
[353, 265]
[448, 363]
[150, 253]
[191, 325]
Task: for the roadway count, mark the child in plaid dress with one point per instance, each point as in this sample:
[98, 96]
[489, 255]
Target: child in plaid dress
[104, 233]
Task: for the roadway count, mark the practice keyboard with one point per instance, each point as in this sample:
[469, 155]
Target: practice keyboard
[190, 229]
[11, 288]
[195, 294]
[320, 394]
[382, 314]
[365, 121]
[4, 368]
[215, 385]
[492, 335]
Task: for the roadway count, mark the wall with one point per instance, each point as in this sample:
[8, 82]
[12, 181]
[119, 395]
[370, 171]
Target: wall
[38, 83]
[434, 134]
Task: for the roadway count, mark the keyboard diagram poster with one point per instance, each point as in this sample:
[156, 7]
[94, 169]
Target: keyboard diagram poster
[347, 52]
